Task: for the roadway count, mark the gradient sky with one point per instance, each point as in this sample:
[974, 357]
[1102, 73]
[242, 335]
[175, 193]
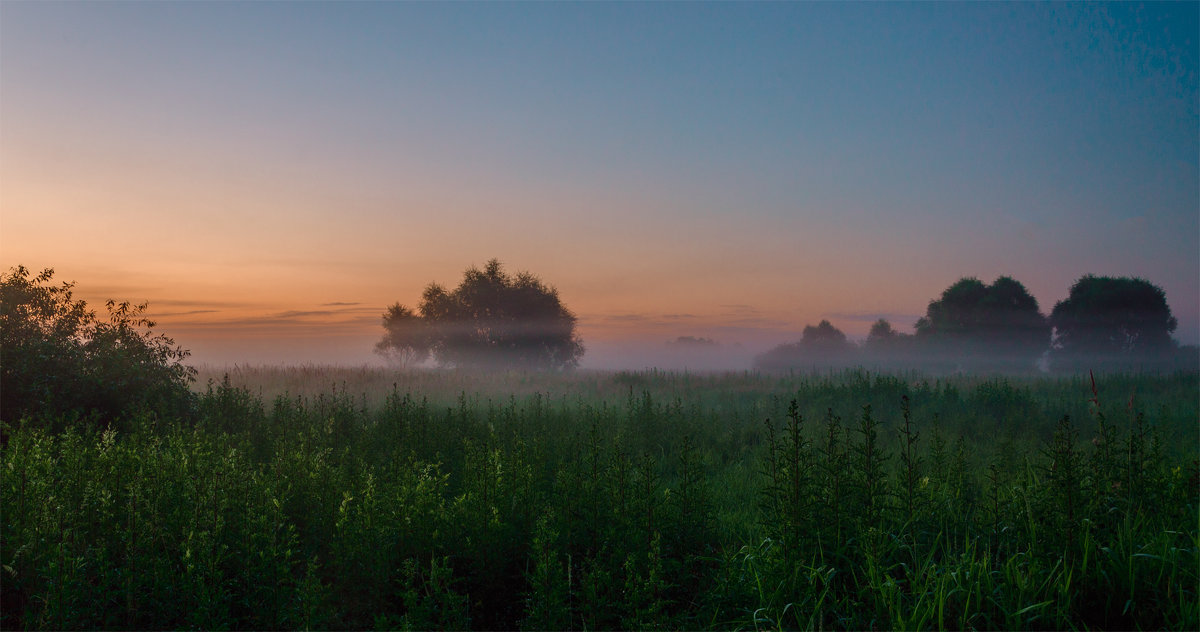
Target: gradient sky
[271, 175]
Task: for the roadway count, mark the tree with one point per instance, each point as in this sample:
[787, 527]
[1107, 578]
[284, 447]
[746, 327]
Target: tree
[1107, 319]
[885, 343]
[59, 359]
[822, 344]
[882, 334]
[998, 324]
[491, 320]
[406, 341]
[825, 340]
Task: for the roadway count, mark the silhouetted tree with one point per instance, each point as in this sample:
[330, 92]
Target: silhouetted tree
[885, 343]
[495, 320]
[978, 324]
[825, 339]
[882, 334]
[58, 359]
[406, 341]
[820, 345]
[1112, 320]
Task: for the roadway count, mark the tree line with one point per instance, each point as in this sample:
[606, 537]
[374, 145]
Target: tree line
[1104, 323]
[494, 319]
[61, 359]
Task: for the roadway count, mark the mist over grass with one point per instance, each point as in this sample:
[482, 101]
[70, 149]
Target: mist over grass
[357, 497]
[638, 355]
[845, 390]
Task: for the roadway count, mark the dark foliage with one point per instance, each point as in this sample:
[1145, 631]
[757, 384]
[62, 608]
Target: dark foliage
[58, 360]
[1107, 320]
[491, 320]
[1109, 324]
[1000, 321]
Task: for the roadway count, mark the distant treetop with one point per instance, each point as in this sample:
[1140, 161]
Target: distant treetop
[822, 344]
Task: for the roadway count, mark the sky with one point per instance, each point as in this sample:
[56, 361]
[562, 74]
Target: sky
[270, 176]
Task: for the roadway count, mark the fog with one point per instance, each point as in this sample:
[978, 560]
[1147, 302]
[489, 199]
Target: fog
[357, 350]
[671, 355]
[668, 355]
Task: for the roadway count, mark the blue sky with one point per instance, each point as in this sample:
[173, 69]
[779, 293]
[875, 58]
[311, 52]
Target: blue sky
[795, 161]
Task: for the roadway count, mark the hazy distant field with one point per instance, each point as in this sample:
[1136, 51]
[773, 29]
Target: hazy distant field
[361, 498]
[1005, 405]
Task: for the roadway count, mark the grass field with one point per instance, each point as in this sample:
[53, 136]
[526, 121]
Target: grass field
[356, 498]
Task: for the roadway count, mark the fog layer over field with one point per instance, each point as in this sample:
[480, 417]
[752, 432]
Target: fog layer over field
[636, 355]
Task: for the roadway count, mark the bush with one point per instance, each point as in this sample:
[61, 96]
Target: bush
[58, 360]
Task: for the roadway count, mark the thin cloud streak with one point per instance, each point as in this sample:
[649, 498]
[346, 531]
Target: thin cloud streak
[189, 313]
[199, 304]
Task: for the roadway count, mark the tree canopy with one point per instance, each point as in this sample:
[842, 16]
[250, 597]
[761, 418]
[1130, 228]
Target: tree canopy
[491, 320]
[1113, 319]
[972, 320]
[59, 358]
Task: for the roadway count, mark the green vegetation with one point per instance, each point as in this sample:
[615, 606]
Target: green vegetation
[59, 360]
[369, 499]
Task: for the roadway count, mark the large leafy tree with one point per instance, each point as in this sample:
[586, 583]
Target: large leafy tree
[491, 320]
[1112, 319]
[58, 358]
[997, 323]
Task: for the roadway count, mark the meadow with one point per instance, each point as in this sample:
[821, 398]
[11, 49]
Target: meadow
[359, 498]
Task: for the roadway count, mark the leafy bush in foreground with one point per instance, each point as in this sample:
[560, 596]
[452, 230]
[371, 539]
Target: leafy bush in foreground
[58, 359]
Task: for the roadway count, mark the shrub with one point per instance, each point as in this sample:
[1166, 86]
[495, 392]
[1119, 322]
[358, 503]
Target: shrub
[59, 360]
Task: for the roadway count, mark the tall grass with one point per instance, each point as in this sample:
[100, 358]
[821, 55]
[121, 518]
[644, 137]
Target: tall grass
[361, 498]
